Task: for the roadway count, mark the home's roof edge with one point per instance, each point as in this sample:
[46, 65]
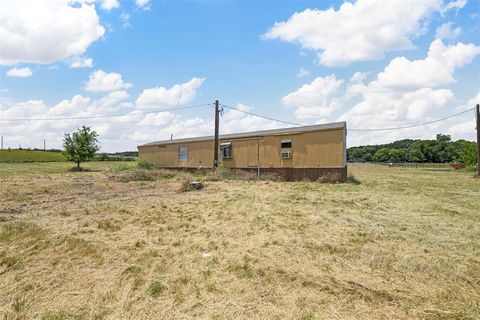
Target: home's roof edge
[316, 127]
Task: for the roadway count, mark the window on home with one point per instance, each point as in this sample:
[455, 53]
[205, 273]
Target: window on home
[286, 143]
[182, 153]
[285, 154]
[226, 150]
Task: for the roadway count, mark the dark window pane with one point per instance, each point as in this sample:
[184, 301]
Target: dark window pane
[286, 144]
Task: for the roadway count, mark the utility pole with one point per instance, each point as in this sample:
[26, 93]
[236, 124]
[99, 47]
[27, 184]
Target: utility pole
[2, 143]
[44, 145]
[215, 151]
[477, 112]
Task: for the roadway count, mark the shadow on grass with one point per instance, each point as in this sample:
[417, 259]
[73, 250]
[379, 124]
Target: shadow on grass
[83, 169]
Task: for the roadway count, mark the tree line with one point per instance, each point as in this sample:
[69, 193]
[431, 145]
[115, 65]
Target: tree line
[440, 150]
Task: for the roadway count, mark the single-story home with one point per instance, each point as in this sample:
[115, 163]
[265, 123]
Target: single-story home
[315, 152]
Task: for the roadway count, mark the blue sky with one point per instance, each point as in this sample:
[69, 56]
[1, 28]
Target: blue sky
[156, 55]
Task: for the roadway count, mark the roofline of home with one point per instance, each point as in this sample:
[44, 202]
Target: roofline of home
[290, 130]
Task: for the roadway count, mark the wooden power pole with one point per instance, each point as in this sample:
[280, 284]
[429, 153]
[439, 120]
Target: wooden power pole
[215, 146]
[477, 112]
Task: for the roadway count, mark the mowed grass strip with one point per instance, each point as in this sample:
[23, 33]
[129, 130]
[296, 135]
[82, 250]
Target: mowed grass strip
[15, 155]
[396, 244]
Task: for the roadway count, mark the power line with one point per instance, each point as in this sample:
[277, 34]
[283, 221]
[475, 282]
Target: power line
[414, 125]
[264, 117]
[106, 115]
[374, 129]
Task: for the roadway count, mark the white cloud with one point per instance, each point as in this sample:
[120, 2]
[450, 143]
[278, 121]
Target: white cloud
[145, 4]
[316, 99]
[176, 95]
[302, 73]
[116, 133]
[360, 31]
[125, 18]
[19, 72]
[463, 129]
[445, 31]
[436, 69]
[404, 94]
[46, 31]
[358, 77]
[81, 63]
[110, 4]
[475, 100]
[458, 4]
[101, 81]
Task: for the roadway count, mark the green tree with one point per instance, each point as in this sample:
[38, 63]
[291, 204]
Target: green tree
[414, 153]
[81, 146]
[467, 153]
[382, 155]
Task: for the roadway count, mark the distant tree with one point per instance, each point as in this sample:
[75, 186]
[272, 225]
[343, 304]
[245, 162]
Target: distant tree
[414, 153]
[467, 153]
[382, 155]
[81, 146]
[443, 138]
[440, 150]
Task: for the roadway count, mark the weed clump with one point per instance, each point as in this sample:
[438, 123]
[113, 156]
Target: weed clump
[155, 288]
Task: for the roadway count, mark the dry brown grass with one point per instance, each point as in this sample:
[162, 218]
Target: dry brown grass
[403, 244]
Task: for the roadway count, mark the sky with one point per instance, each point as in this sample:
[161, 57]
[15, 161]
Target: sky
[372, 63]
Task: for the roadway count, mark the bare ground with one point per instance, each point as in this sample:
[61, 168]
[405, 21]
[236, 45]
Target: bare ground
[404, 244]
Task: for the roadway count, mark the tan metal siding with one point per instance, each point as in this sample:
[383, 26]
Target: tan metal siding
[309, 150]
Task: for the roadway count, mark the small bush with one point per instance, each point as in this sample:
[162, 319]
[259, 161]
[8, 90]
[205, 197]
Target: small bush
[155, 288]
[147, 165]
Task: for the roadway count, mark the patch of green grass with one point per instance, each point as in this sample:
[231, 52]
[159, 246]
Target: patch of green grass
[241, 270]
[61, 315]
[155, 288]
[20, 231]
[13, 169]
[15, 155]
[18, 304]
[79, 247]
[9, 261]
[148, 165]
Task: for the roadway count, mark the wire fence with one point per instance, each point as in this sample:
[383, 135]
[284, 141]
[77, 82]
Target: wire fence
[401, 165]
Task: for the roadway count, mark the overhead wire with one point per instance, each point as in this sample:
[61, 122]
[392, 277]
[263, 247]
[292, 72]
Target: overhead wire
[414, 125]
[264, 117]
[229, 107]
[348, 129]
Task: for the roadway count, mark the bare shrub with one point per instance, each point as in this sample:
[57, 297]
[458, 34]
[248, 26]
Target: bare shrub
[188, 184]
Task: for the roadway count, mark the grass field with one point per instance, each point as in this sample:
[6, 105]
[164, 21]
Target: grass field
[403, 244]
[15, 155]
